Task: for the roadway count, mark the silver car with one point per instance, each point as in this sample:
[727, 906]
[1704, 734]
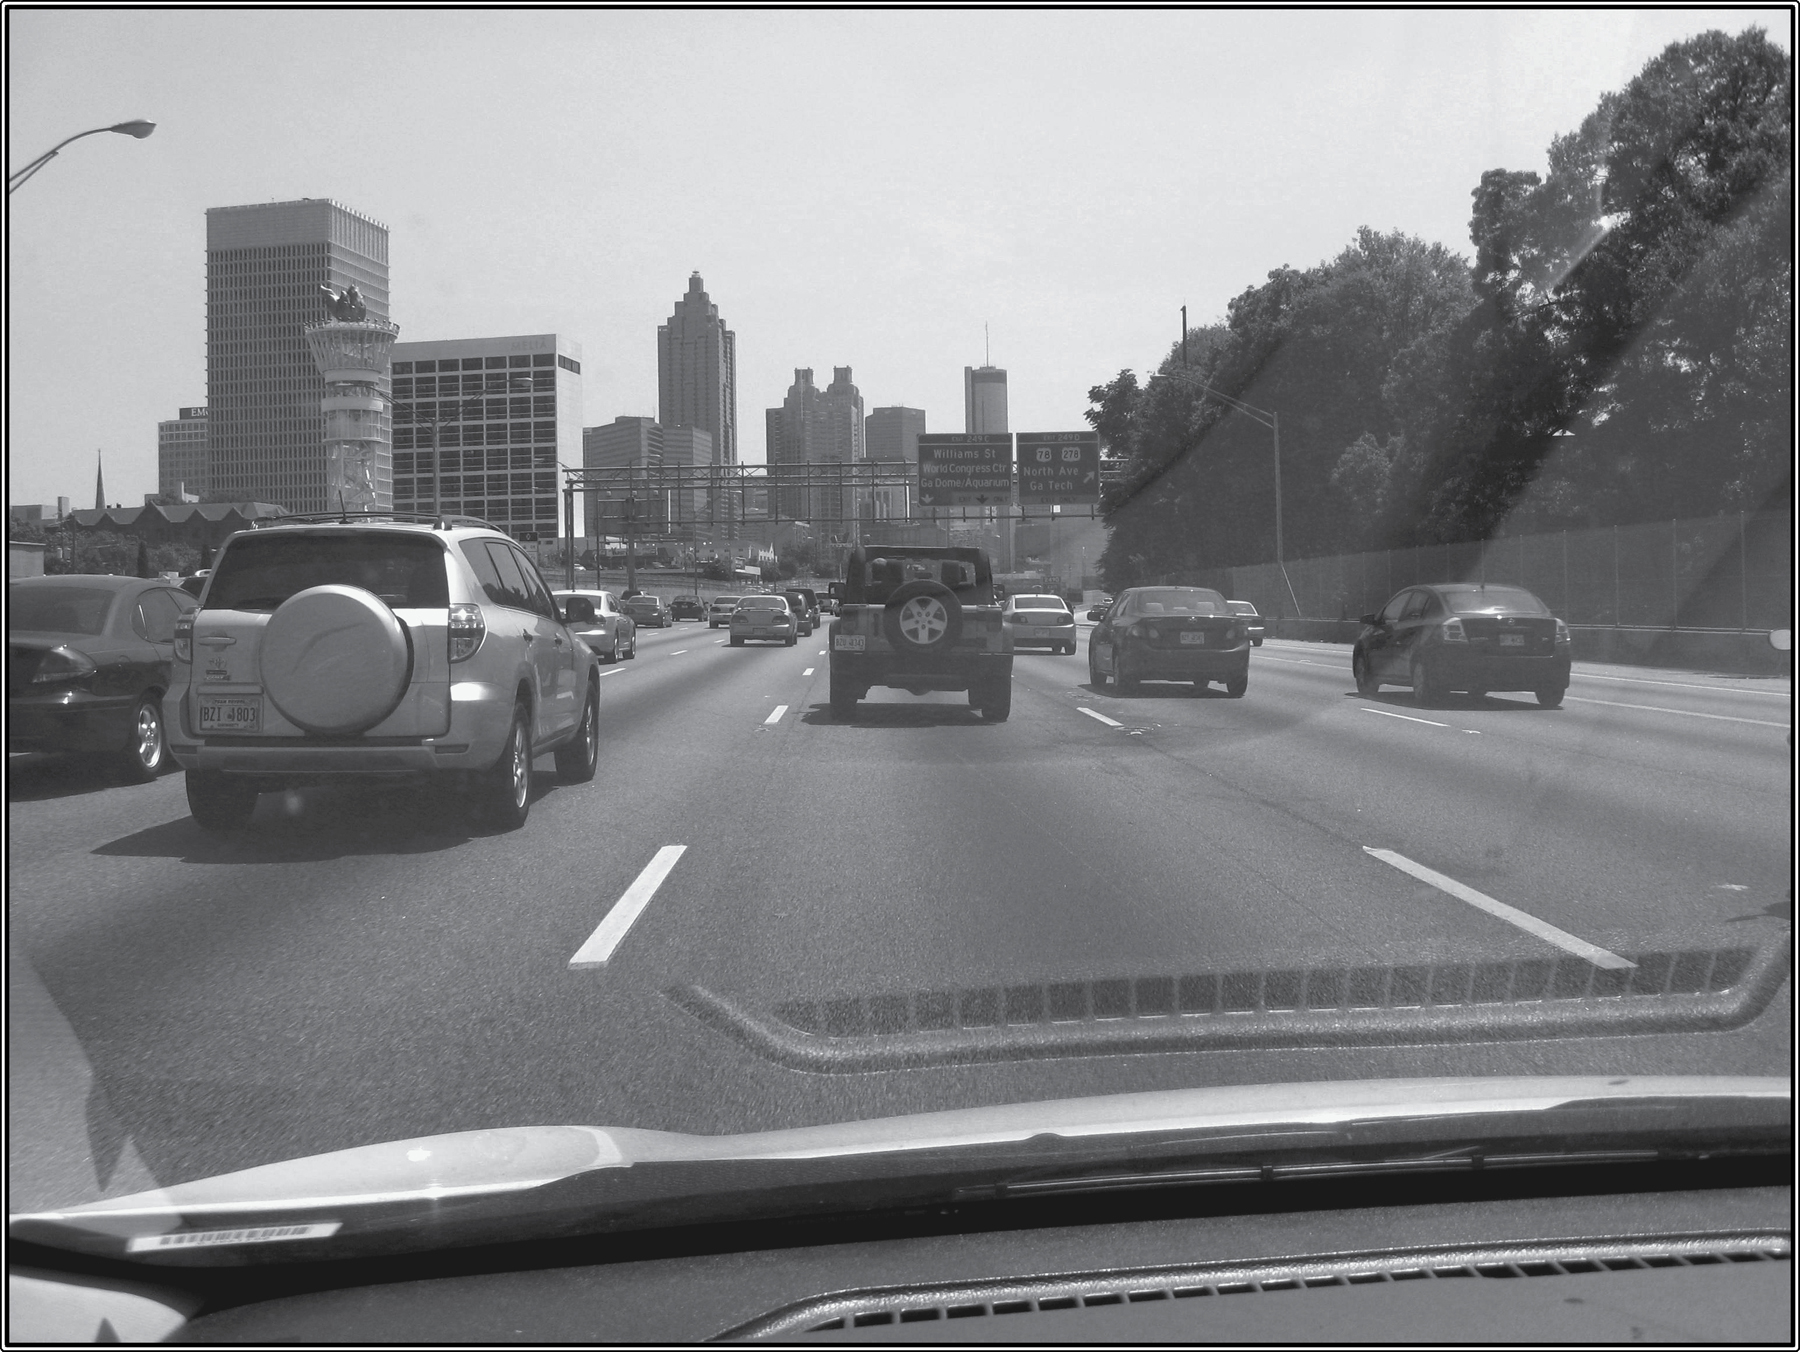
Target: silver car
[1038, 620]
[326, 649]
[764, 617]
[611, 633]
[718, 612]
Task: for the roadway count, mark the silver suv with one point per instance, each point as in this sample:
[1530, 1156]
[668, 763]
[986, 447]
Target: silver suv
[330, 648]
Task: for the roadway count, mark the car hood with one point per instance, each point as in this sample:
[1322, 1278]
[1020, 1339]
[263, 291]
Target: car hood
[507, 1174]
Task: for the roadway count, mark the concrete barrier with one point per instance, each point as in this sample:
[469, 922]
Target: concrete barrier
[1726, 651]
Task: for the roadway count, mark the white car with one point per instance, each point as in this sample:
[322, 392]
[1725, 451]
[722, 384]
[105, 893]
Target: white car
[1037, 620]
[611, 633]
[718, 611]
[384, 647]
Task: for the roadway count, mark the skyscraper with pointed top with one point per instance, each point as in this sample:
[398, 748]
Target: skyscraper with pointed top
[696, 371]
[99, 483]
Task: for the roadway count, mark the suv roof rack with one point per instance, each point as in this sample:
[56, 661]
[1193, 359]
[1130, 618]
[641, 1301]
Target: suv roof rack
[437, 521]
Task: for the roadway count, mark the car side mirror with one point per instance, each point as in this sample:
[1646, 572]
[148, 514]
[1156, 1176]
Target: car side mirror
[1371, 619]
[578, 610]
[1782, 640]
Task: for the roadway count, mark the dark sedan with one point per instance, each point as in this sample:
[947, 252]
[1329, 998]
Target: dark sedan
[1170, 634]
[1463, 636]
[88, 660]
[646, 609]
[687, 608]
[1252, 621]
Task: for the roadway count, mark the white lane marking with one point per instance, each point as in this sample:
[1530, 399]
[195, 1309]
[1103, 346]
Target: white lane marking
[1408, 717]
[1686, 685]
[821, 652]
[809, 671]
[1298, 661]
[717, 642]
[1111, 723]
[678, 652]
[775, 717]
[616, 671]
[1685, 713]
[1581, 948]
[605, 939]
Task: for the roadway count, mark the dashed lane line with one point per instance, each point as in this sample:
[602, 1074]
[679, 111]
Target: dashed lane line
[1581, 948]
[1110, 722]
[1684, 713]
[1408, 717]
[678, 652]
[775, 717]
[809, 671]
[602, 942]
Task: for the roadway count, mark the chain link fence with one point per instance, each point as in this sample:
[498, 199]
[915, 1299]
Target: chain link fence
[1716, 572]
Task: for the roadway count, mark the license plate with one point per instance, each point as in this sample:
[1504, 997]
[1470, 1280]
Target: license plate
[231, 713]
[1512, 640]
[850, 643]
[761, 633]
[1197, 636]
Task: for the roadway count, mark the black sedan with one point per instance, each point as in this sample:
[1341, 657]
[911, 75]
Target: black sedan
[1170, 634]
[647, 610]
[687, 608]
[1463, 636]
[88, 661]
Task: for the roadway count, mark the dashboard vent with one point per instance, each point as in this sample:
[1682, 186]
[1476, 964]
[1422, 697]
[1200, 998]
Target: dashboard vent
[864, 1309]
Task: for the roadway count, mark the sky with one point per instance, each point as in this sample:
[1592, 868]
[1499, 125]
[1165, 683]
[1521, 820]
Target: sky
[864, 188]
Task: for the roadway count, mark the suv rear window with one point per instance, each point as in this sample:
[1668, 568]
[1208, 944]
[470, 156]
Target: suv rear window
[259, 572]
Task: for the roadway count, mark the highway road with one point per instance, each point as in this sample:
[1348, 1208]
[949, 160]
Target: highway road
[757, 916]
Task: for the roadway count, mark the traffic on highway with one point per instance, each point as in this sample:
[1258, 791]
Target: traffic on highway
[412, 940]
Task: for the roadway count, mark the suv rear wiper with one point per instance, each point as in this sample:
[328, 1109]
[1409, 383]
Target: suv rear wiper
[539, 1182]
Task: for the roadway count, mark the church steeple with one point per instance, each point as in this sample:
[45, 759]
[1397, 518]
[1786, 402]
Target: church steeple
[99, 484]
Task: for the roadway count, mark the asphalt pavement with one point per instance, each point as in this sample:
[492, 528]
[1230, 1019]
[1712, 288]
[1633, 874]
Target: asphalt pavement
[744, 869]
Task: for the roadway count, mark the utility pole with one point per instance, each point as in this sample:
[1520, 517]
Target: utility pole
[1184, 335]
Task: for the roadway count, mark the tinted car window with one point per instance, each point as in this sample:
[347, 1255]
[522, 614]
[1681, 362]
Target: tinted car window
[1180, 601]
[513, 590]
[58, 610]
[155, 615]
[260, 571]
[1489, 599]
[475, 551]
[537, 593]
[1416, 605]
[1390, 613]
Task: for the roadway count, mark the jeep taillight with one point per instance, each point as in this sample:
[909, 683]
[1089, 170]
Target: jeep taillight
[184, 637]
[467, 629]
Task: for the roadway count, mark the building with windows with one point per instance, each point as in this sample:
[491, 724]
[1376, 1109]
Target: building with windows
[181, 454]
[696, 371]
[481, 424]
[984, 399]
[815, 427]
[625, 442]
[892, 434]
[265, 264]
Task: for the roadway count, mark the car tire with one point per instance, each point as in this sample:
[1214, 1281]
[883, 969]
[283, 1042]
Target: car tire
[1123, 684]
[791, 640]
[918, 604]
[1235, 686]
[146, 748]
[843, 700]
[1425, 690]
[612, 654]
[221, 804]
[1551, 697]
[736, 642]
[502, 794]
[996, 702]
[577, 760]
[1366, 684]
[1094, 677]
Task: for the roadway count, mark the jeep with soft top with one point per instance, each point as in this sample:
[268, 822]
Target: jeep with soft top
[919, 618]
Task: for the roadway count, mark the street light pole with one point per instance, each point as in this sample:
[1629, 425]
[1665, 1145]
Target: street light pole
[16, 180]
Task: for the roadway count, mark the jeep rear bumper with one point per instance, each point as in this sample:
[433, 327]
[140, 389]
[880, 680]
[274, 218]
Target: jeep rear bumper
[906, 671]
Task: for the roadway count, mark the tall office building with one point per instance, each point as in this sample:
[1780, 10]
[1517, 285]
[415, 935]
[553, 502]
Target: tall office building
[181, 454]
[696, 371]
[891, 435]
[689, 449]
[984, 399]
[503, 413]
[264, 267]
[635, 443]
[816, 427]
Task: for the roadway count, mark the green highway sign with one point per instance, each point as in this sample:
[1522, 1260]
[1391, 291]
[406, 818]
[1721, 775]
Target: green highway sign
[965, 469]
[1058, 468]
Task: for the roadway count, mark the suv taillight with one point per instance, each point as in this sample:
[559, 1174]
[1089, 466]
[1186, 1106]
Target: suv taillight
[184, 637]
[467, 629]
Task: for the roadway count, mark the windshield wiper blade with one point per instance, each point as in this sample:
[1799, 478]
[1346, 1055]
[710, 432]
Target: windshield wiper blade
[485, 1186]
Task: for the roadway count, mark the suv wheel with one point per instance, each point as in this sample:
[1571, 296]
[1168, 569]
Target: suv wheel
[996, 701]
[843, 699]
[221, 803]
[145, 749]
[576, 760]
[1551, 697]
[503, 794]
[923, 617]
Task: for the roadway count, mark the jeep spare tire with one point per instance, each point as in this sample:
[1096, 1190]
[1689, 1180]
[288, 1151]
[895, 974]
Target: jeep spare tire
[923, 617]
[335, 659]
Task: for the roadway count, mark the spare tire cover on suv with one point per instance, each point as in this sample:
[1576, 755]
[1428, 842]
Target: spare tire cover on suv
[923, 615]
[335, 659]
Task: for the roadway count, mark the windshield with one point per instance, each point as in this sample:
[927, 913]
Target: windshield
[58, 610]
[966, 319]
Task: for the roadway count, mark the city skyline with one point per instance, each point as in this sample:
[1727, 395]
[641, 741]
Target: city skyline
[907, 246]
